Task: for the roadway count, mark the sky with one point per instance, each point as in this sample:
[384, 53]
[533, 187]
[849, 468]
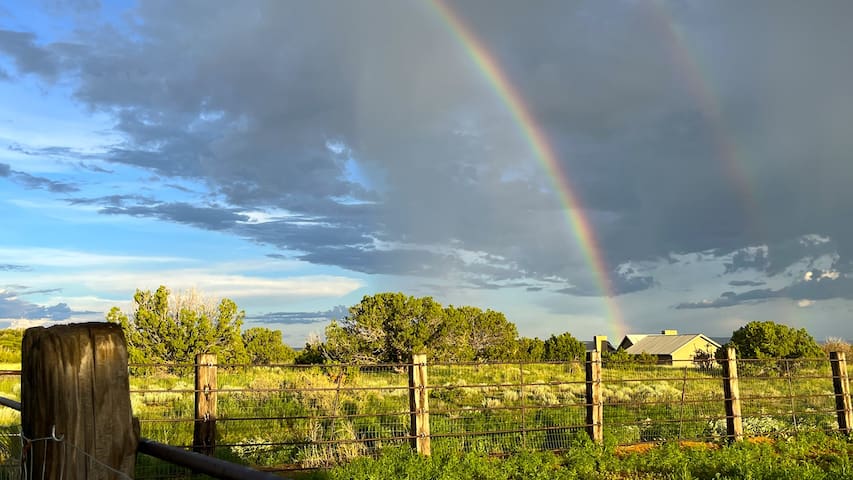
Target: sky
[592, 167]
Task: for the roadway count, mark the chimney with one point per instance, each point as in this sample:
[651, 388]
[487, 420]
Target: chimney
[599, 341]
[669, 332]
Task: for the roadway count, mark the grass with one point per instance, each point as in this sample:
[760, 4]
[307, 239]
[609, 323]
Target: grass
[803, 457]
[474, 408]
[289, 415]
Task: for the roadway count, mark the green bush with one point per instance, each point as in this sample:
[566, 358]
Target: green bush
[772, 340]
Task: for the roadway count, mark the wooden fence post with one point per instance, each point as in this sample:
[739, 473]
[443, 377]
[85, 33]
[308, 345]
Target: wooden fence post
[419, 404]
[204, 431]
[76, 418]
[731, 390]
[594, 398]
[841, 384]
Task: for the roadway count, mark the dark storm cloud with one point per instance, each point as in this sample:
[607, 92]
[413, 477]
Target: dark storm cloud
[179, 188]
[54, 151]
[362, 258]
[816, 289]
[115, 201]
[294, 318]
[207, 217]
[34, 182]
[746, 259]
[371, 126]
[70, 6]
[27, 56]
[730, 299]
[745, 283]
[93, 168]
[622, 282]
[31, 181]
[12, 306]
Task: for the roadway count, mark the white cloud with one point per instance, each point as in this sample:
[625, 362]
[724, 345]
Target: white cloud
[53, 257]
[22, 323]
[805, 303]
[831, 274]
[210, 283]
[260, 216]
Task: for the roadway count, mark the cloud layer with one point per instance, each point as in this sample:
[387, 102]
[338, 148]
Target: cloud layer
[361, 135]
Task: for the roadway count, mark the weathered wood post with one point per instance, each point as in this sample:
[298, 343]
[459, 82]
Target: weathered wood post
[419, 404]
[204, 430]
[841, 384]
[731, 391]
[76, 418]
[594, 397]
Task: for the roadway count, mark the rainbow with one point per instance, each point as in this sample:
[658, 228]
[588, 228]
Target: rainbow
[701, 91]
[544, 152]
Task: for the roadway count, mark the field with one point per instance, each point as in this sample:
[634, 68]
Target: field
[292, 416]
[301, 417]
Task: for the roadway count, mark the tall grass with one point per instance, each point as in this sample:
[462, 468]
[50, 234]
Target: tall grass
[316, 416]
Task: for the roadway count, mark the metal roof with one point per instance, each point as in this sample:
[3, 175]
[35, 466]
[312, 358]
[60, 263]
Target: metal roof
[635, 337]
[665, 344]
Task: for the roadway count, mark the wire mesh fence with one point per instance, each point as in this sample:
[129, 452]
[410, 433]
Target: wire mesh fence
[785, 396]
[675, 400]
[283, 417]
[497, 408]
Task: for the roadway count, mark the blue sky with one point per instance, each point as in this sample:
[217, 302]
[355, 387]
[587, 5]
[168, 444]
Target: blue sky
[298, 156]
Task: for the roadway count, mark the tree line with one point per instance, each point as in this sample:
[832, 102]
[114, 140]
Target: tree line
[166, 328]
[382, 328]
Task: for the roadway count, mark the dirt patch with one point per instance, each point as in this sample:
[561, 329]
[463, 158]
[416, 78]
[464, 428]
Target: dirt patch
[623, 450]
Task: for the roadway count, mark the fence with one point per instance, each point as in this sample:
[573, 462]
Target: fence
[295, 416]
[281, 417]
[75, 413]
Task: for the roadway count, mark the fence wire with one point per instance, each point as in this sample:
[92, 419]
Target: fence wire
[675, 400]
[497, 408]
[295, 416]
[785, 396]
[285, 415]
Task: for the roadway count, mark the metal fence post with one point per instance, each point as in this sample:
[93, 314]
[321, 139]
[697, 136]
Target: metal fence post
[594, 403]
[204, 430]
[419, 404]
[841, 384]
[731, 390]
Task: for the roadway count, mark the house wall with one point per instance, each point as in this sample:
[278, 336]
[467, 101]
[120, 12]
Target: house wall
[688, 351]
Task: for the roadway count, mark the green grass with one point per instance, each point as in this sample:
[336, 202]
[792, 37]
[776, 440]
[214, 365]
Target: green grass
[804, 457]
[468, 404]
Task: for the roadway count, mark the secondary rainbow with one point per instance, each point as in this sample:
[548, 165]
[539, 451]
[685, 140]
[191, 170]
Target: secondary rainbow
[544, 153]
[707, 101]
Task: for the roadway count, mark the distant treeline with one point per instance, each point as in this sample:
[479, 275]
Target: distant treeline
[382, 328]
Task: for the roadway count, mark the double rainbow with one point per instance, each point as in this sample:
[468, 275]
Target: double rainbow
[544, 152]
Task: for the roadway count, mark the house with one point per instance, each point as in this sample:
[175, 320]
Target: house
[669, 346]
